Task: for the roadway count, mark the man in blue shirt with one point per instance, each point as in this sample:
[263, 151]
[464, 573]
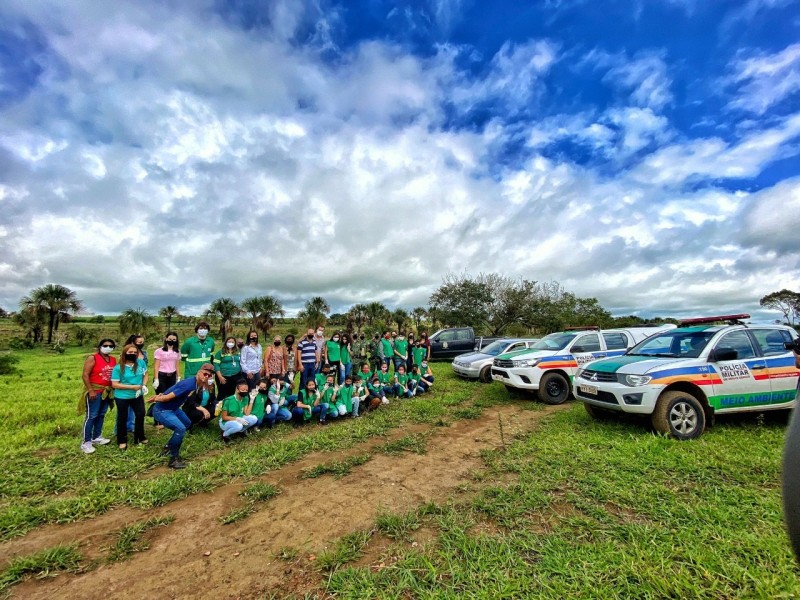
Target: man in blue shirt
[307, 350]
[167, 411]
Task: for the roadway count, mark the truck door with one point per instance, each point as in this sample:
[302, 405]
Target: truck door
[781, 368]
[744, 380]
[586, 348]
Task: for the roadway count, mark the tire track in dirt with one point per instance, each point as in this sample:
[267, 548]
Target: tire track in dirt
[306, 516]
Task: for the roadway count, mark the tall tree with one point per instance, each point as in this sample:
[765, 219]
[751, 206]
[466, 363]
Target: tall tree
[136, 321]
[32, 319]
[315, 312]
[224, 309]
[58, 301]
[376, 313]
[169, 313]
[263, 310]
[357, 316]
[786, 301]
[400, 316]
[418, 314]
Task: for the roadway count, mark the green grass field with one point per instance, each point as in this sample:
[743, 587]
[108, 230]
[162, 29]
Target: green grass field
[575, 509]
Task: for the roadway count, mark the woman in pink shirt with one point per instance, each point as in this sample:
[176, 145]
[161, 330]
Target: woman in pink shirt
[166, 363]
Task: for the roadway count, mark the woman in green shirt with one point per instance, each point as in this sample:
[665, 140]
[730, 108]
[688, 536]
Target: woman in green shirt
[346, 350]
[227, 367]
[332, 353]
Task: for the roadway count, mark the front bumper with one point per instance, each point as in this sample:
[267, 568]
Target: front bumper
[524, 378]
[470, 371]
[639, 400]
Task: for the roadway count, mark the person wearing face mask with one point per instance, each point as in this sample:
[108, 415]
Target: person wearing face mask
[275, 360]
[345, 358]
[227, 364]
[129, 380]
[375, 352]
[409, 358]
[232, 419]
[332, 354]
[387, 349]
[97, 370]
[165, 366]
[250, 360]
[359, 348]
[138, 341]
[167, 411]
[400, 352]
[307, 349]
[291, 360]
[197, 350]
[319, 340]
[426, 377]
[425, 343]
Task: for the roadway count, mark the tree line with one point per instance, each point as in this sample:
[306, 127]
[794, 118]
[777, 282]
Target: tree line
[491, 303]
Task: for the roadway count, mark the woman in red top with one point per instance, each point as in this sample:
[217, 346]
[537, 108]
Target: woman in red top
[275, 360]
[97, 380]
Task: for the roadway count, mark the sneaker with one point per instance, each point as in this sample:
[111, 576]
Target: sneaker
[101, 441]
[257, 429]
[87, 447]
[176, 463]
[226, 439]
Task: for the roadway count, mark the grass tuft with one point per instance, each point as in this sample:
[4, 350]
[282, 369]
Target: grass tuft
[416, 443]
[338, 468]
[397, 526]
[46, 563]
[346, 549]
[256, 493]
[130, 538]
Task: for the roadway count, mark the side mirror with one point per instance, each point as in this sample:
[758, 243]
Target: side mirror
[578, 348]
[723, 353]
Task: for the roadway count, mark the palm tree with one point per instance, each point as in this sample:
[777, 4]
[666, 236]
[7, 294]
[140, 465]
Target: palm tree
[357, 316]
[418, 314]
[136, 321]
[225, 309]
[169, 313]
[400, 317]
[375, 313]
[263, 310]
[315, 312]
[58, 301]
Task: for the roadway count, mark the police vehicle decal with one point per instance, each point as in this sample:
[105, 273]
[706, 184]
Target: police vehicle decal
[724, 401]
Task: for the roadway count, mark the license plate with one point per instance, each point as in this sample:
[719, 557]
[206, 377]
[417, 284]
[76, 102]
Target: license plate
[588, 389]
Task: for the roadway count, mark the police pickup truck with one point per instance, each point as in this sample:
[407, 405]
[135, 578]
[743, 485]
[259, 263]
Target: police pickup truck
[548, 366]
[684, 376]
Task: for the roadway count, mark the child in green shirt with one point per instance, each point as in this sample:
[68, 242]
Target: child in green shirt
[328, 396]
[401, 382]
[347, 402]
[309, 404]
[232, 418]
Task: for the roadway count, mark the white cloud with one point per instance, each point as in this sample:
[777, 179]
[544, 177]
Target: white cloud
[764, 80]
[644, 76]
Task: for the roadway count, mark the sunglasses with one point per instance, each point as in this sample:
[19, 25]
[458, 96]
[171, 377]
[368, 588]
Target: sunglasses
[107, 346]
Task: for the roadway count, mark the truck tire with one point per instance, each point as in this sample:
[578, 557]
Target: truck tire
[486, 374]
[553, 388]
[679, 415]
[596, 412]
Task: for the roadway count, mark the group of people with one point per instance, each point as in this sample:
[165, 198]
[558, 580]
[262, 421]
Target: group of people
[244, 386]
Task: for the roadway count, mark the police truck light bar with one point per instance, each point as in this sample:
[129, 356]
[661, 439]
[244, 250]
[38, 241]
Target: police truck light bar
[733, 319]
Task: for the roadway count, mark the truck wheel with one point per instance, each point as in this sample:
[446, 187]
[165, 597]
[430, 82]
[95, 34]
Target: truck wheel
[680, 415]
[596, 412]
[553, 388]
[486, 374]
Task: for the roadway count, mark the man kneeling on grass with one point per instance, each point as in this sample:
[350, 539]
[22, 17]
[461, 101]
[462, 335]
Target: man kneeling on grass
[232, 418]
[167, 411]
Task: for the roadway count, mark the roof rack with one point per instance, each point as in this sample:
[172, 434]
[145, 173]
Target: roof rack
[731, 319]
[582, 328]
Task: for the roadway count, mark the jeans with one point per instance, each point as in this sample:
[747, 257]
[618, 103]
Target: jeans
[276, 414]
[309, 370]
[387, 361]
[123, 406]
[426, 386]
[253, 380]
[399, 362]
[231, 427]
[178, 422]
[356, 404]
[320, 409]
[344, 371]
[96, 408]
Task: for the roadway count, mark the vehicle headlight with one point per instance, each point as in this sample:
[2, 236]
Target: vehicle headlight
[528, 362]
[636, 380]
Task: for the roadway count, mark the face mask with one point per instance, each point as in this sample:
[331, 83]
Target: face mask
[253, 340]
[202, 332]
[277, 343]
[171, 342]
[336, 339]
[106, 349]
[424, 365]
[262, 390]
[130, 357]
[230, 344]
[310, 336]
[139, 346]
[289, 342]
[319, 331]
[240, 346]
[400, 337]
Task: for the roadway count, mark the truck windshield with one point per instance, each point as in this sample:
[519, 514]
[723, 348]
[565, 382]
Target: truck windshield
[676, 343]
[554, 341]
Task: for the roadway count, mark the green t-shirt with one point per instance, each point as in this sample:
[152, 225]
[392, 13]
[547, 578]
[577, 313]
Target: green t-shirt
[327, 396]
[384, 377]
[415, 376]
[234, 406]
[388, 350]
[124, 374]
[401, 346]
[303, 397]
[227, 364]
[334, 351]
[320, 379]
[418, 354]
[366, 377]
[345, 397]
[402, 379]
[259, 407]
[195, 353]
[346, 360]
[373, 388]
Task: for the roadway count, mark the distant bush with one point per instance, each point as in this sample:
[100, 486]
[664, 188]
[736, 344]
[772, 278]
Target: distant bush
[20, 343]
[8, 364]
[97, 319]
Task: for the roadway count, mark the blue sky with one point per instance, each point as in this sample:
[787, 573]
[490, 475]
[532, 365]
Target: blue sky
[644, 153]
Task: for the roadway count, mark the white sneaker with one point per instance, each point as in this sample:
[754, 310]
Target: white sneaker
[101, 441]
[87, 447]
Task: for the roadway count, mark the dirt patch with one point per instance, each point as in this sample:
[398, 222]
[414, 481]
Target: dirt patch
[273, 550]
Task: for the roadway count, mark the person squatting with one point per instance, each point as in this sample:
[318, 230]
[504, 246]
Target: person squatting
[244, 387]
